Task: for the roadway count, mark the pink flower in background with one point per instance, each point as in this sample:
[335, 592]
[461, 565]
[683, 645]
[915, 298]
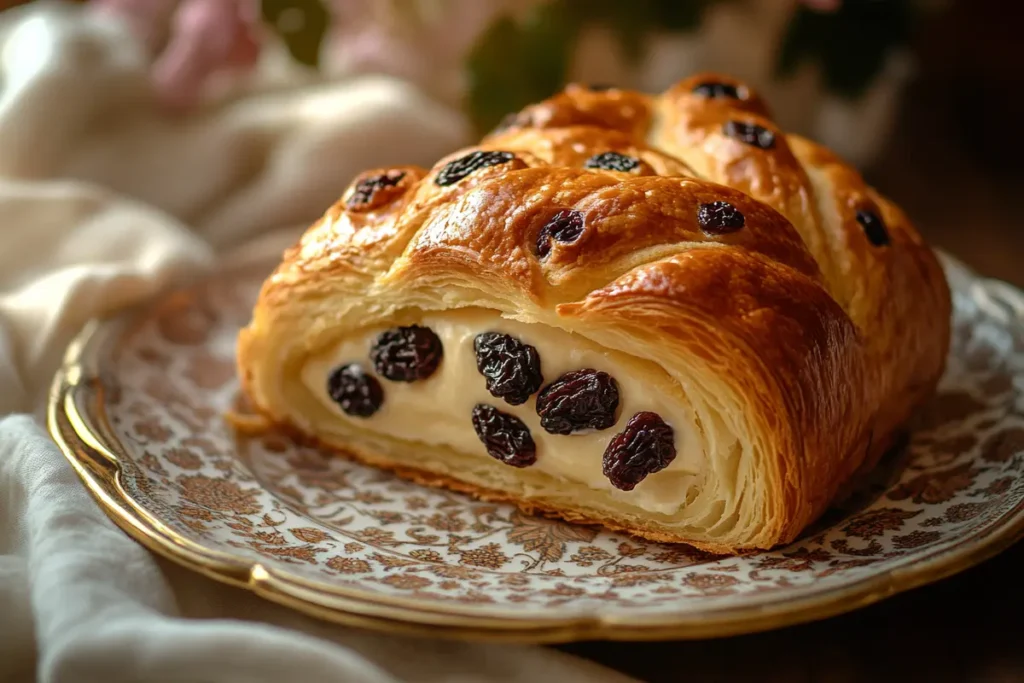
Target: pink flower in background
[413, 39]
[192, 39]
[423, 41]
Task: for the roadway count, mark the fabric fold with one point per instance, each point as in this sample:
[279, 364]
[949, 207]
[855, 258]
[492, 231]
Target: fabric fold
[105, 200]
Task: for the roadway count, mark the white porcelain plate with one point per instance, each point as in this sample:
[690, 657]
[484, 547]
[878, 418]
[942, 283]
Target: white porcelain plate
[139, 410]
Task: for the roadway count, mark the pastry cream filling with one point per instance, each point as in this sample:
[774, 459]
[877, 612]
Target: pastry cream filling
[438, 410]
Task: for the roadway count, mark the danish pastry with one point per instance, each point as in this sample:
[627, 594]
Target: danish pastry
[659, 313]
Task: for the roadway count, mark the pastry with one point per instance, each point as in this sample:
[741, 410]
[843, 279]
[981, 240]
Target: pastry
[661, 314]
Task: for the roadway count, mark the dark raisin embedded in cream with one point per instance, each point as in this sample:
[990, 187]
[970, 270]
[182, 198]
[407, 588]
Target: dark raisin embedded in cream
[719, 218]
[874, 227]
[505, 436]
[356, 392]
[750, 133]
[716, 90]
[566, 226]
[368, 189]
[579, 400]
[456, 170]
[645, 446]
[512, 368]
[612, 161]
[406, 354]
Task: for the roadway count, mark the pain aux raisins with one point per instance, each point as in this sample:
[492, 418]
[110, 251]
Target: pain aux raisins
[612, 161]
[566, 226]
[505, 436]
[645, 446]
[874, 227]
[456, 170]
[750, 133]
[356, 392]
[406, 354]
[511, 368]
[579, 401]
[719, 218]
[369, 189]
[716, 90]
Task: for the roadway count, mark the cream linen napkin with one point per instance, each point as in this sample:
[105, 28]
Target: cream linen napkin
[104, 201]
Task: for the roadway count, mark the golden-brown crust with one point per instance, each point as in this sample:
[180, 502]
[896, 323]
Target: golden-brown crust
[697, 129]
[799, 347]
[629, 220]
[578, 105]
[824, 337]
[573, 146]
[688, 93]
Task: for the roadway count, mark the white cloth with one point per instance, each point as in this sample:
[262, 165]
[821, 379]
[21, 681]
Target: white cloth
[103, 201]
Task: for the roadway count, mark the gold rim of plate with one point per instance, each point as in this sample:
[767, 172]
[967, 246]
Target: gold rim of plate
[77, 422]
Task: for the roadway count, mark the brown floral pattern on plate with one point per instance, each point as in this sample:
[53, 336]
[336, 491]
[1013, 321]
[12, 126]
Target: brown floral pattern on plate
[331, 522]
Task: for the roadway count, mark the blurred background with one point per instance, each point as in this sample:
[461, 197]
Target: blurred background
[922, 95]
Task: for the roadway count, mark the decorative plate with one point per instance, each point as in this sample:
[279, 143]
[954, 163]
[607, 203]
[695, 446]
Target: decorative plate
[139, 409]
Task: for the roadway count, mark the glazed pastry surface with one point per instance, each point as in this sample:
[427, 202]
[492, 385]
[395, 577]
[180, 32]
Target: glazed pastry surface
[657, 313]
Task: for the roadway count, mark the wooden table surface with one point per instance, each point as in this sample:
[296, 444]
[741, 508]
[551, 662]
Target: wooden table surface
[968, 628]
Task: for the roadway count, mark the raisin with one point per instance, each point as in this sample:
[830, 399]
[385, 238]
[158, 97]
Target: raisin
[505, 436]
[715, 90]
[577, 401]
[874, 227]
[406, 354]
[645, 446]
[566, 226]
[367, 189]
[456, 170]
[601, 87]
[750, 133]
[612, 161]
[719, 218]
[511, 367]
[356, 392]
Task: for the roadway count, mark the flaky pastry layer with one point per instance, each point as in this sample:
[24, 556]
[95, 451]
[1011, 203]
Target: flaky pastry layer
[747, 287]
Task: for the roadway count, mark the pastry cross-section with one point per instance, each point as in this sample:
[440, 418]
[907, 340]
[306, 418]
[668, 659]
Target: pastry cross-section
[658, 313]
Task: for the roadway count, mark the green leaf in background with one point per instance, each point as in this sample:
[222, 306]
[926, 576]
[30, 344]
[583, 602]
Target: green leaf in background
[301, 25]
[851, 44]
[520, 61]
[515, 63]
[549, 33]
